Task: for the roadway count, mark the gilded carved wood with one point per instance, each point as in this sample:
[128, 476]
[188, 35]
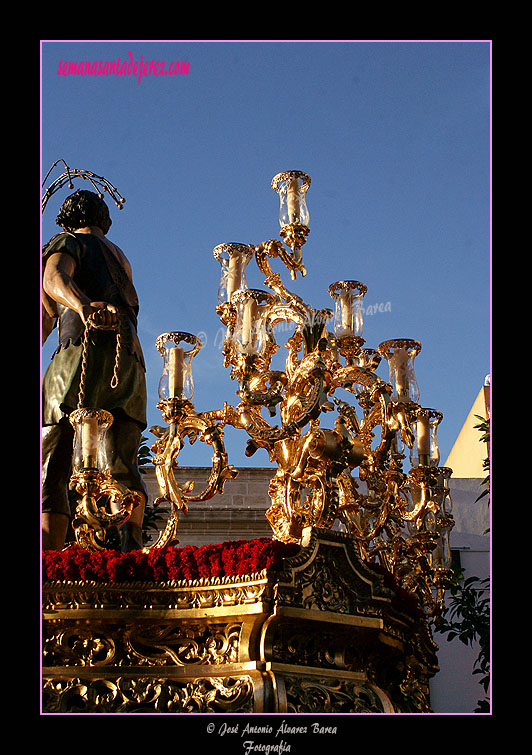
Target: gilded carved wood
[321, 634]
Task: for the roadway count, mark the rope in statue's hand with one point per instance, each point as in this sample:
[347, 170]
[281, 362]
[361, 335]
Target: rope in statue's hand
[102, 315]
[99, 320]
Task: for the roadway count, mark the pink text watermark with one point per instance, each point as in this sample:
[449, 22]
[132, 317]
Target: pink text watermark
[120, 67]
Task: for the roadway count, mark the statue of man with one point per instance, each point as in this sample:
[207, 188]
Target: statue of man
[85, 274]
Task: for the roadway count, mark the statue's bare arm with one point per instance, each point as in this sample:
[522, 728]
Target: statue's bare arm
[58, 283]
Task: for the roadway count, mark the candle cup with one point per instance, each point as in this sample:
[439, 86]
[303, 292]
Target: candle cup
[176, 379]
[348, 319]
[444, 493]
[250, 334]
[90, 428]
[233, 259]
[412, 493]
[443, 476]
[425, 451]
[291, 186]
[400, 354]
[441, 557]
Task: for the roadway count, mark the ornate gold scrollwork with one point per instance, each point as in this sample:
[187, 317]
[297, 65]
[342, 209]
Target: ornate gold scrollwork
[187, 645]
[90, 519]
[185, 423]
[138, 694]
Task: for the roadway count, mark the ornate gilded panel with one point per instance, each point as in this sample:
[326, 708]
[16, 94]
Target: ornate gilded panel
[323, 635]
[139, 694]
[141, 644]
[328, 576]
[329, 695]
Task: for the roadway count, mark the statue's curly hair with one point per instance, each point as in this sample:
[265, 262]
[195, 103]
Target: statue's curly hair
[83, 208]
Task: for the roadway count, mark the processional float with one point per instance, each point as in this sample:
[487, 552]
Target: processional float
[396, 518]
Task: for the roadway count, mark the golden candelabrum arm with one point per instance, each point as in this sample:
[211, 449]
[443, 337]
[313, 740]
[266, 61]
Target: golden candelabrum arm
[272, 249]
[184, 422]
[302, 401]
[253, 389]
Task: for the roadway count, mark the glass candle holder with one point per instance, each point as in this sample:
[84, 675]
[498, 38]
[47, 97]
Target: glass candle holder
[412, 493]
[444, 475]
[443, 491]
[176, 378]
[233, 259]
[348, 319]
[291, 186]
[90, 428]
[250, 334]
[425, 451]
[400, 354]
[441, 556]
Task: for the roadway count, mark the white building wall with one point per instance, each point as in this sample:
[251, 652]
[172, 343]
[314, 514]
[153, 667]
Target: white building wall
[454, 689]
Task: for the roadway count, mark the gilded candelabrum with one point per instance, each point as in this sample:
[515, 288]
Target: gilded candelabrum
[399, 519]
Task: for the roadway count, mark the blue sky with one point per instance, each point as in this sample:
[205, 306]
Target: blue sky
[396, 139]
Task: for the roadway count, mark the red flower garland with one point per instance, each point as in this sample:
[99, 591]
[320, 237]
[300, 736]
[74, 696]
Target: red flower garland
[231, 558]
[166, 564]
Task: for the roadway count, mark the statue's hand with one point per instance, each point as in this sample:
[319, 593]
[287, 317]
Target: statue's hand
[104, 315]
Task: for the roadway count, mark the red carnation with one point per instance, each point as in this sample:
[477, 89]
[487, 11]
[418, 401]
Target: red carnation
[189, 567]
